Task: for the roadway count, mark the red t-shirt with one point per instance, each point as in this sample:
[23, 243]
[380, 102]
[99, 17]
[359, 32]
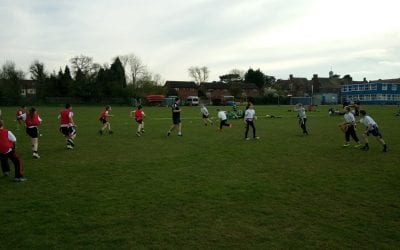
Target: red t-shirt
[138, 114]
[64, 117]
[32, 121]
[5, 143]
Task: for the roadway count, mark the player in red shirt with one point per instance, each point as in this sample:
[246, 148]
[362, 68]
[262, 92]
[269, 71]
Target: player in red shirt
[7, 151]
[139, 115]
[104, 120]
[32, 122]
[20, 116]
[67, 125]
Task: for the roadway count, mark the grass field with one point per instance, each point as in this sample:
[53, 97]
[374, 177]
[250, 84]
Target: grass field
[207, 189]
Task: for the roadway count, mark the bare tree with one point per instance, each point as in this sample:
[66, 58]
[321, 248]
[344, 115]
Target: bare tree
[136, 67]
[199, 74]
[83, 63]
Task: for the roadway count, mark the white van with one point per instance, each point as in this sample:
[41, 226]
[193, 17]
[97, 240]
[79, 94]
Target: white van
[192, 100]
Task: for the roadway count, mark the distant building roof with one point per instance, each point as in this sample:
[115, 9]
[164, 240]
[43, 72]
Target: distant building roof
[181, 84]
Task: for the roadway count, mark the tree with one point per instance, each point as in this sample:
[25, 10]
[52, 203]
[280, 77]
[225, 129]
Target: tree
[82, 63]
[199, 74]
[136, 67]
[257, 77]
[229, 78]
[11, 80]
[39, 75]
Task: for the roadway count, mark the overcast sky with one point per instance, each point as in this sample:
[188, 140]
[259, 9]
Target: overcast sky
[280, 37]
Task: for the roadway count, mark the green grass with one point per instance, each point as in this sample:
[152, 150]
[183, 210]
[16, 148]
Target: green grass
[207, 189]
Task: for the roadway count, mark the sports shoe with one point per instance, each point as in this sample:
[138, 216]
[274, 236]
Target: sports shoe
[70, 147]
[365, 148]
[36, 155]
[100, 132]
[142, 131]
[230, 125]
[168, 133]
[257, 138]
[137, 134]
[357, 145]
[346, 144]
[247, 138]
[71, 142]
[384, 148]
[19, 179]
[180, 135]
[110, 132]
[6, 173]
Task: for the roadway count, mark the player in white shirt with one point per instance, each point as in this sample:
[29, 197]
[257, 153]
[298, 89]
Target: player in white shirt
[223, 119]
[349, 128]
[301, 114]
[371, 128]
[205, 115]
[249, 117]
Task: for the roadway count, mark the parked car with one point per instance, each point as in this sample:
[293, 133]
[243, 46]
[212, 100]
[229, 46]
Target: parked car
[192, 100]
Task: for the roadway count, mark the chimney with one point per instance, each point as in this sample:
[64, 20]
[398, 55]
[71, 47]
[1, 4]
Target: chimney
[291, 76]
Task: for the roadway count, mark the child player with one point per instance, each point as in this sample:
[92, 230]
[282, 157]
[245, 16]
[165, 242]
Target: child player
[223, 119]
[32, 122]
[139, 115]
[20, 116]
[176, 118]
[249, 117]
[371, 128]
[67, 125]
[301, 114]
[349, 128]
[7, 151]
[205, 115]
[104, 120]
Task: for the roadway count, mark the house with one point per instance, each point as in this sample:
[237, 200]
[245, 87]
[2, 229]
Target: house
[372, 92]
[28, 88]
[182, 89]
[214, 91]
[295, 86]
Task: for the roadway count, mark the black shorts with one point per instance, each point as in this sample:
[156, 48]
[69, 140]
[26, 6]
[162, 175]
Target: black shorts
[139, 121]
[68, 131]
[205, 116]
[375, 132]
[102, 120]
[176, 120]
[32, 132]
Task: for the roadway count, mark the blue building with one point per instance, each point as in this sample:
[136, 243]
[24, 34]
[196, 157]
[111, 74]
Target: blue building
[373, 92]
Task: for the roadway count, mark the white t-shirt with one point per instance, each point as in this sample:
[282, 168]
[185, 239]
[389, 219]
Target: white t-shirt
[368, 122]
[249, 114]
[301, 112]
[204, 111]
[349, 118]
[222, 115]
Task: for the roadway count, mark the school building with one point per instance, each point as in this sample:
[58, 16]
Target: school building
[372, 92]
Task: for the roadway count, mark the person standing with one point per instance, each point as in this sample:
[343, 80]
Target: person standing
[32, 122]
[7, 151]
[67, 125]
[349, 127]
[104, 120]
[176, 118]
[371, 128]
[223, 120]
[205, 114]
[139, 115]
[249, 117]
[301, 115]
[20, 116]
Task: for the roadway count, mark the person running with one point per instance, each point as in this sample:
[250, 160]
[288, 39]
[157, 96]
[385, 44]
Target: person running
[371, 128]
[32, 122]
[301, 114]
[176, 118]
[7, 151]
[139, 115]
[349, 128]
[249, 118]
[205, 115]
[223, 119]
[104, 120]
[20, 116]
[67, 125]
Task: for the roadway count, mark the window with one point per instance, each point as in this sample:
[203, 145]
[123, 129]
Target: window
[373, 86]
[394, 87]
[384, 87]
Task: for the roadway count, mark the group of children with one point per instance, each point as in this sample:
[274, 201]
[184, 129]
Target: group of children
[31, 120]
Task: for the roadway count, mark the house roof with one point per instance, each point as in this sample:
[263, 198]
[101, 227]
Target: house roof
[396, 80]
[214, 85]
[181, 84]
